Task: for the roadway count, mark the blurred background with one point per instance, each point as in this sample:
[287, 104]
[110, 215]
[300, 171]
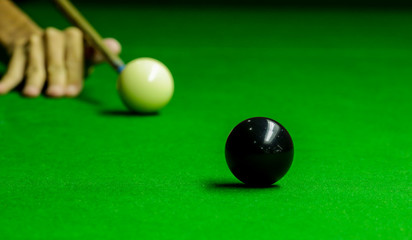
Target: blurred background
[343, 3]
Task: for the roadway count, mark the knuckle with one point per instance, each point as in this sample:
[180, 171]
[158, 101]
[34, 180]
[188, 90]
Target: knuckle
[75, 74]
[74, 60]
[36, 70]
[48, 30]
[34, 38]
[56, 69]
[73, 32]
[74, 65]
[20, 42]
[52, 32]
[32, 69]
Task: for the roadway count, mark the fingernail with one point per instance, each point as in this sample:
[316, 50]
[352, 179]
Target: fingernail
[113, 45]
[72, 90]
[31, 91]
[55, 91]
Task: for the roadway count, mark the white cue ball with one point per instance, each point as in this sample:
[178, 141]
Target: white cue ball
[145, 85]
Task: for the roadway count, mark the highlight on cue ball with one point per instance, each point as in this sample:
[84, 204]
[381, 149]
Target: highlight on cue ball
[145, 85]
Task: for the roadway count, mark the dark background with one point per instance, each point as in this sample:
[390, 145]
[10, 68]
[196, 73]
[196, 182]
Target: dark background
[273, 3]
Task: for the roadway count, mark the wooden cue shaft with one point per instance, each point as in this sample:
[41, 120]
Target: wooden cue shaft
[74, 16]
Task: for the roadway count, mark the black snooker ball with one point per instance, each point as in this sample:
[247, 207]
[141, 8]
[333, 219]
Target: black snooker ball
[259, 151]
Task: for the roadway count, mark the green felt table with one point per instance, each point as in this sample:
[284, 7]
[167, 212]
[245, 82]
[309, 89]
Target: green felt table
[338, 79]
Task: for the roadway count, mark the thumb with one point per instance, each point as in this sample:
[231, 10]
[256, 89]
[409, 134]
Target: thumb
[96, 56]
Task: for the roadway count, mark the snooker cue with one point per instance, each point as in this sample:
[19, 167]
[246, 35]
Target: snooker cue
[75, 17]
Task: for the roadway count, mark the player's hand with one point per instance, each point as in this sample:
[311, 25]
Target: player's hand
[55, 58]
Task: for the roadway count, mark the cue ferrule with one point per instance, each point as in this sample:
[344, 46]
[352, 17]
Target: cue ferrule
[120, 68]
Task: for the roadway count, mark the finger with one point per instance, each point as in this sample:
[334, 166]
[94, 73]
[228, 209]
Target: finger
[112, 44]
[15, 70]
[56, 70]
[74, 61]
[36, 73]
